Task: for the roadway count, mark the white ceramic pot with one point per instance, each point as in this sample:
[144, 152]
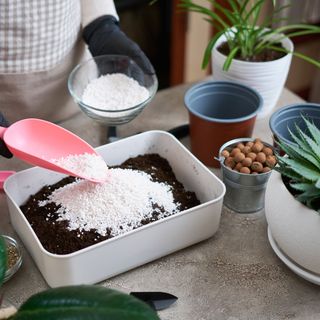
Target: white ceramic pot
[295, 230]
[268, 78]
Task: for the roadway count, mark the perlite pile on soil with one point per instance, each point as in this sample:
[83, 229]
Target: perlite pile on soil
[73, 213]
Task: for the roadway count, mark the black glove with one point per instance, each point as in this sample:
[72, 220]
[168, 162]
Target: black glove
[104, 36]
[4, 151]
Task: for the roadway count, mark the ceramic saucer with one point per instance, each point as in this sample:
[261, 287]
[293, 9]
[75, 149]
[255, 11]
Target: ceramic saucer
[300, 271]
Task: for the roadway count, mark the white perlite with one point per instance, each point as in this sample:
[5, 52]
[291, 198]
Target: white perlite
[114, 92]
[86, 165]
[120, 204]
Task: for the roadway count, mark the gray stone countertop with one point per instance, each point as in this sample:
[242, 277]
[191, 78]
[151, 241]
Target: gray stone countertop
[233, 275]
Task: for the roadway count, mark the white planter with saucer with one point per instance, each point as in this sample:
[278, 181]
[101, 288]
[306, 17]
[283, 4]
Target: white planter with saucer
[293, 230]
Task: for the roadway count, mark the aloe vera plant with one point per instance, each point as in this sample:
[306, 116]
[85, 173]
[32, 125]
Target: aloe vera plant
[238, 21]
[301, 164]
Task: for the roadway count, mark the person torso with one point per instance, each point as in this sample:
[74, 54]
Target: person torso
[35, 35]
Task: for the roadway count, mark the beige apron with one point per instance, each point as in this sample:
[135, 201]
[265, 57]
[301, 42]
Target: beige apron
[41, 94]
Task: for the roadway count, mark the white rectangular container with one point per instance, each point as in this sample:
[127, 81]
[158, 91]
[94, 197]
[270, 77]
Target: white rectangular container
[127, 251]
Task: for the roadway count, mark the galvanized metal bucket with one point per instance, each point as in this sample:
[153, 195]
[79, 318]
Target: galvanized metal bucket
[245, 193]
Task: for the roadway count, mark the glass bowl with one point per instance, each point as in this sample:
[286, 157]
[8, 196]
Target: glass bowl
[13, 244]
[93, 68]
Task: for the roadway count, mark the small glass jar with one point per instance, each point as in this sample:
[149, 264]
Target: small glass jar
[14, 253]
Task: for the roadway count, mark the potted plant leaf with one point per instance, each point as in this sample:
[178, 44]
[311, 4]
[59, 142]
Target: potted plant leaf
[293, 202]
[78, 302]
[258, 55]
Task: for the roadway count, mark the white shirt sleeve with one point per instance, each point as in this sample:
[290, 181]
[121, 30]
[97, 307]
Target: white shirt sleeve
[92, 9]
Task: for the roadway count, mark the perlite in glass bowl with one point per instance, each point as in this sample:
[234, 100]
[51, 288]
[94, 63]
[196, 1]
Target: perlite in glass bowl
[107, 65]
[14, 257]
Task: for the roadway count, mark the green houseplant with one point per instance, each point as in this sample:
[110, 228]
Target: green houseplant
[256, 54]
[293, 202]
[301, 165]
[79, 302]
[245, 38]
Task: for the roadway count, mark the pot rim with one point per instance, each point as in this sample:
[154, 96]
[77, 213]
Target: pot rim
[287, 109]
[198, 86]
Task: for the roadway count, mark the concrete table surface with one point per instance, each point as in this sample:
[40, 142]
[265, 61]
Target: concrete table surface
[233, 275]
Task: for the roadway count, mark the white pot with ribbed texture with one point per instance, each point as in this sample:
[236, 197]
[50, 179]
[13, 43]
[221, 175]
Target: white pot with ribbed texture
[294, 230]
[268, 78]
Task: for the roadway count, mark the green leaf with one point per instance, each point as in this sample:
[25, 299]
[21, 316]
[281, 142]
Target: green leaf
[313, 145]
[302, 186]
[207, 53]
[254, 11]
[84, 303]
[267, 39]
[298, 153]
[3, 259]
[300, 141]
[289, 173]
[296, 27]
[191, 6]
[243, 6]
[234, 5]
[306, 58]
[304, 170]
[231, 17]
[229, 59]
[314, 131]
[278, 9]
[308, 197]
[297, 54]
[299, 33]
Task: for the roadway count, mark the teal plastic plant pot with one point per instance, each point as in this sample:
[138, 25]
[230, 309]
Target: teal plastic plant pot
[219, 111]
[285, 120]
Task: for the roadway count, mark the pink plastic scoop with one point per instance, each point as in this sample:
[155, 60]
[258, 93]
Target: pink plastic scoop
[38, 142]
